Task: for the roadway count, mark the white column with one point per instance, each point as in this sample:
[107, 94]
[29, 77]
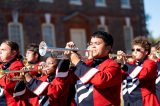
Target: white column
[102, 20]
[15, 16]
[47, 18]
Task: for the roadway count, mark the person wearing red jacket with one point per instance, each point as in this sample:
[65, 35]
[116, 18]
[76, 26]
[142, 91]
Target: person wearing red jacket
[157, 54]
[99, 78]
[33, 58]
[10, 60]
[48, 74]
[139, 77]
[47, 89]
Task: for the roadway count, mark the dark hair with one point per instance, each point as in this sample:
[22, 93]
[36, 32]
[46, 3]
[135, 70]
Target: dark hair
[107, 38]
[35, 48]
[143, 42]
[12, 45]
[56, 60]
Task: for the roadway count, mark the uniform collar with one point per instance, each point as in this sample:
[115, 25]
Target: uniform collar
[97, 61]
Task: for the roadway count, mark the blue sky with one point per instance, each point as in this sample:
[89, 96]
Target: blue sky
[152, 8]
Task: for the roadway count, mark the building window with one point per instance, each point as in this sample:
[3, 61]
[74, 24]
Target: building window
[78, 35]
[128, 34]
[100, 3]
[125, 4]
[103, 28]
[76, 2]
[15, 30]
[48, 1]
[48, 33]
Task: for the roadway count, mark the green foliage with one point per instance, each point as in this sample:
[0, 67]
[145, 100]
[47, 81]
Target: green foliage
[153, 40]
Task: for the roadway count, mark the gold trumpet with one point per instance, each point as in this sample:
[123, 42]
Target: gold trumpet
[12, 71]
[115, 55]
[23, 70]
[16, 78]
[56, 52]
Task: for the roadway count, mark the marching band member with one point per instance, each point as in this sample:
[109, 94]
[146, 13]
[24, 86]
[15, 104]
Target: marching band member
[48, 74]
[98, 79]
[33, 58]
[152, 54]
[10, 60]
[32, 62]
[139, 76]
[48, 87]
[157, 53]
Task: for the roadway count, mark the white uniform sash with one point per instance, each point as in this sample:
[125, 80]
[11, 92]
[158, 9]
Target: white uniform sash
[134, 83]
[135, 72]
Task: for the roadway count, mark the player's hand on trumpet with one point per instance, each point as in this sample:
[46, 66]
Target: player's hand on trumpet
[121, 57]
[89, 54]
[22, 72]
[73, 55]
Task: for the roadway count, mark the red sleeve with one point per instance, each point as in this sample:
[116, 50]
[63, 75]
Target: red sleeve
[149, 70]
[109, 74]
[5, 79]
[71, 78]
[35, 71]
[17, 65]
[54, 89]
[124, 74]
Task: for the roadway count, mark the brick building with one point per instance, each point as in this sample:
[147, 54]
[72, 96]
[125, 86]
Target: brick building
[60, 21]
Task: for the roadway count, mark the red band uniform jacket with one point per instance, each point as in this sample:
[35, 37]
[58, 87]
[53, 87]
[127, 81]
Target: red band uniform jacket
[158, 80]
[44, 90]
[7, 86]
[140, 89]
[99, 83]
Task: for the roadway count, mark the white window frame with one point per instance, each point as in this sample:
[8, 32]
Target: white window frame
[100, 4]
[48, 1]
[53, 33]
[81, 41]
[125, 4]
[75, 2]
[20, 41]
[127, 42]
[105, 27]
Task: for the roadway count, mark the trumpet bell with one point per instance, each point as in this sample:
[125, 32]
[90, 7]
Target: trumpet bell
[42, 48]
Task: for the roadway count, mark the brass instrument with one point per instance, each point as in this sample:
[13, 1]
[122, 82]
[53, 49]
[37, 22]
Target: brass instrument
[56, 52]
[23, 70]
[12, 71]
[115, 55]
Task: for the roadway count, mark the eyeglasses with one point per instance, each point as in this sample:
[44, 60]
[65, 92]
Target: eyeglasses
[138, 50]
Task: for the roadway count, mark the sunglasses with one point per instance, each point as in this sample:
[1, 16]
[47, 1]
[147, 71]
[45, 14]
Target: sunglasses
[138, 50]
